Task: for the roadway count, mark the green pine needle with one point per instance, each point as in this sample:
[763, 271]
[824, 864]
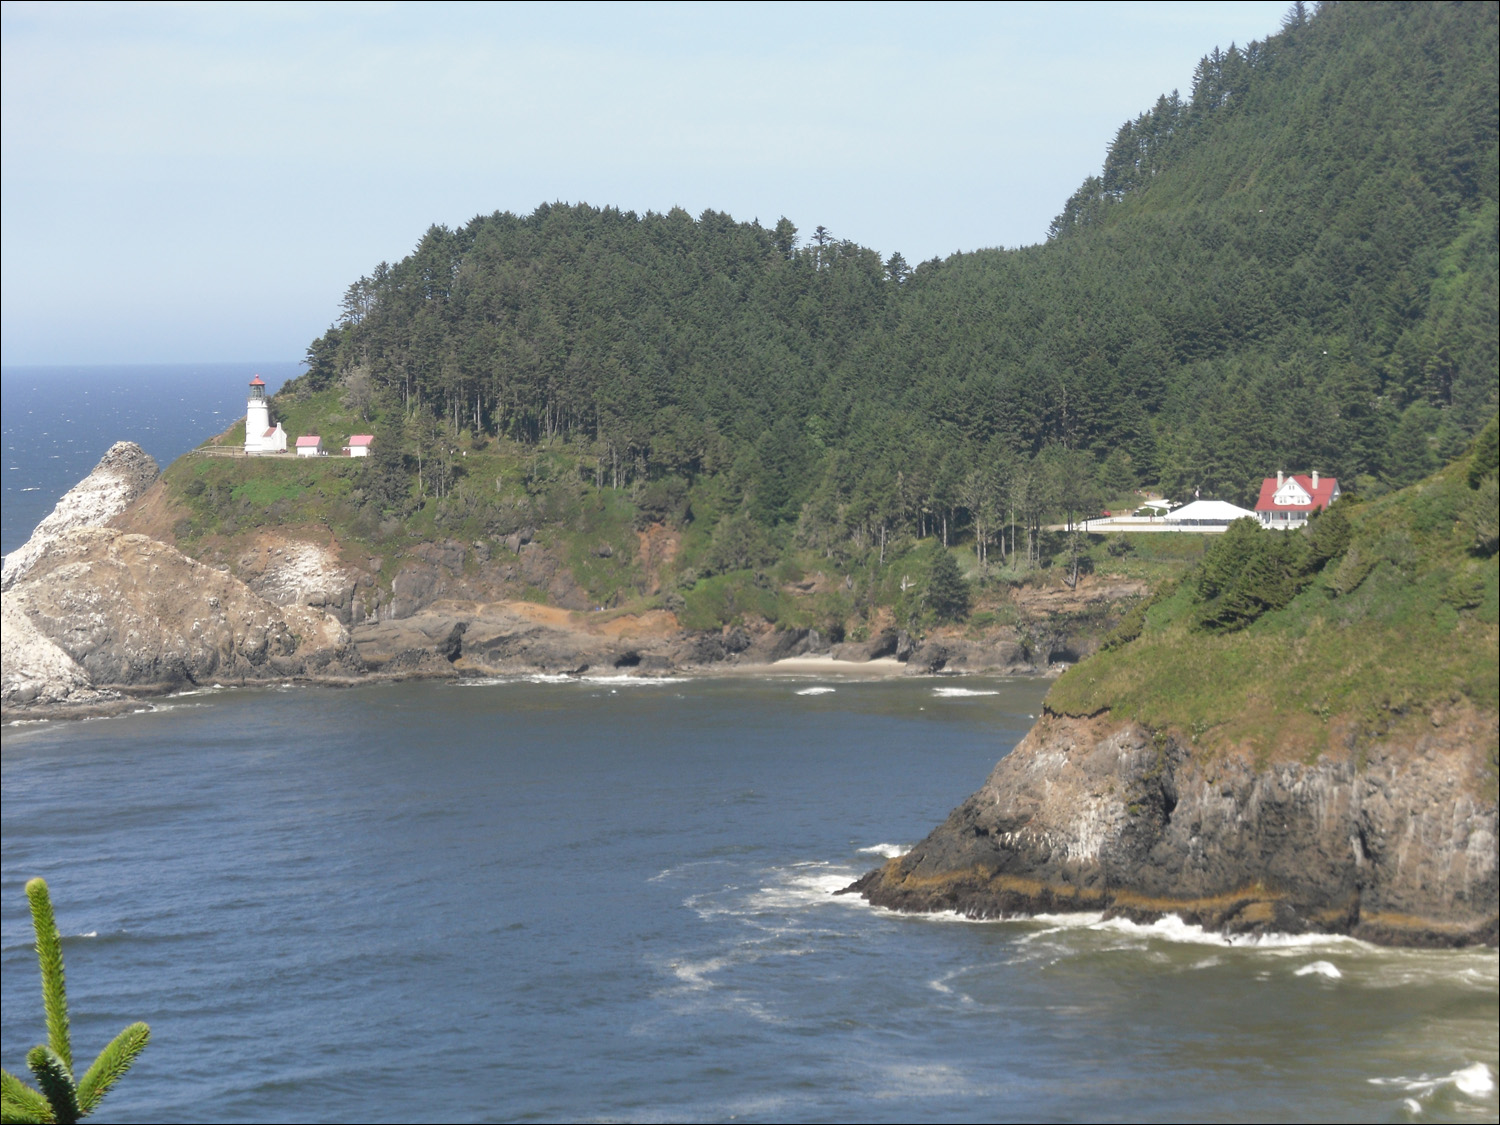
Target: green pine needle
[56, 1081]
[112, 1062]
[60, 1101]
[21, 1104]
[49, 953]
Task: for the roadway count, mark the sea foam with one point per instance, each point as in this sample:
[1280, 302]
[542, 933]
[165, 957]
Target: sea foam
[1320, 968]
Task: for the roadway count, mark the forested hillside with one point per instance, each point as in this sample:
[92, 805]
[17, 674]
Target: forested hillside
[1294, 266]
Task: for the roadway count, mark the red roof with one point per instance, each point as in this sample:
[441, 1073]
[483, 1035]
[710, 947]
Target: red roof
[1322, 496]
[257, 382]
[362, 439]
[271, 431]
[308, 439]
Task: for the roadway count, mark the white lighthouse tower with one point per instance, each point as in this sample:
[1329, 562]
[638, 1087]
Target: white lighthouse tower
[260, 435]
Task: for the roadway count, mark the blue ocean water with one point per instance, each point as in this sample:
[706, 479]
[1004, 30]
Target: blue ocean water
[58, 421]
[612, 900]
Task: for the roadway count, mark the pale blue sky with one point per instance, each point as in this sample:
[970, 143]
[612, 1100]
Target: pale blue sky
[201, 182]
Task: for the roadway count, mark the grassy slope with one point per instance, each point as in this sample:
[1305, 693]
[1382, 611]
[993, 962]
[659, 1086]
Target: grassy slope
[1349, 658]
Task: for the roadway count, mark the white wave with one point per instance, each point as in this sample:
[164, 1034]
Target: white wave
[616, 680]
[957, 692]
[1171, 927]
[694, 974]
[681, 868]
[1322, 968]
[803, 885]
[1475, 1080]
[1080, 921]
[634, 681]
[816, 691]
[888, 851]
[91, 933]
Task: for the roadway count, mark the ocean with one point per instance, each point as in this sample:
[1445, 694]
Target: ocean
[57, 422]
[613, 899]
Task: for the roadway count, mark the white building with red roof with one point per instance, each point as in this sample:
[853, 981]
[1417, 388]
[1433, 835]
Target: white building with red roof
[309, 445]
[359, 445]
[1288, 501]
[260, 435]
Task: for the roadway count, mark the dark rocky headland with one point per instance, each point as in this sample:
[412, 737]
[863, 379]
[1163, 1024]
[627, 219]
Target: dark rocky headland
[1394, 844]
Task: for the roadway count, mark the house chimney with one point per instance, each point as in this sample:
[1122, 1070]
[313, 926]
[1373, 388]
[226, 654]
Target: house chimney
[1315, 478]
[1280, 479]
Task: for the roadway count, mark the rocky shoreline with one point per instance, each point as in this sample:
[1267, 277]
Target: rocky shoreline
[99, 615]
[1392, 845]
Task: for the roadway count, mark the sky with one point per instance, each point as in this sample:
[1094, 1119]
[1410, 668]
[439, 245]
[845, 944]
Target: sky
[201, 182]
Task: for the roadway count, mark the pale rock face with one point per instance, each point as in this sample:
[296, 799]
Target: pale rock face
[36, 672]
[124, 472]
[291, 572]
[132, 611]
[90, 611]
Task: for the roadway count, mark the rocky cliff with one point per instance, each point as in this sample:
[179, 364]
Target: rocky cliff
[122, 476]
[94, 615]
[1396, 844]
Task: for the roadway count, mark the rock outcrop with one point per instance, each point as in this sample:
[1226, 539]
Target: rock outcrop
[1394, 844]
[121, 477]
[294, 572]
[37, 672]
[137, 615]
[94, 615]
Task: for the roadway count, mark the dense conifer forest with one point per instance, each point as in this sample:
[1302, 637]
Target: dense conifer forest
[1293, 265]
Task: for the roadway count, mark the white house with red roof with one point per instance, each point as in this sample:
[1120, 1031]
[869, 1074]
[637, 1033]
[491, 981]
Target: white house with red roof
[359, 445]
[260, 435]
[1288, 501]
[309, 445]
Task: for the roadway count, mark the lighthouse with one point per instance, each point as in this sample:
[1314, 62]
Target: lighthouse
[260, 435]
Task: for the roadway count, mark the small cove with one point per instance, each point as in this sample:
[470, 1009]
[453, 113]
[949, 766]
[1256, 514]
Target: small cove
[612, 900]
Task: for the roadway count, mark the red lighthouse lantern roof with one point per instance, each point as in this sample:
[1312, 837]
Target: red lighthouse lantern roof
[257, 382]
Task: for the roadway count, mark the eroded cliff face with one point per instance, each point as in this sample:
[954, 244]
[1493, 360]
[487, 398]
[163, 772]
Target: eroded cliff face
[139, 616]
[1394, 842]
[94, 615]
[122, 476]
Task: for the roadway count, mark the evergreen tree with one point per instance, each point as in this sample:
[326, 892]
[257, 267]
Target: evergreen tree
[947, 592]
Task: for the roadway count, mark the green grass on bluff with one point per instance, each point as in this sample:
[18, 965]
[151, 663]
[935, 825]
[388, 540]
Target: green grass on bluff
[1401, 621]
